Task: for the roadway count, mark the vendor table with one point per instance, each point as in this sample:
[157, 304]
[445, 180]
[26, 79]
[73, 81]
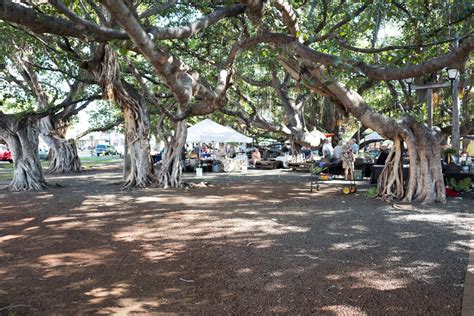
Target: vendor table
[458, 175]
[234, 164]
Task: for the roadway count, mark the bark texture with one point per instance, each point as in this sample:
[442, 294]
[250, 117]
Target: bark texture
[21, 137]
[171, 171]
[64, 156]
[136, 117]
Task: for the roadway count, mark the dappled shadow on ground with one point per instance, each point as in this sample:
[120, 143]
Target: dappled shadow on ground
[237, 247]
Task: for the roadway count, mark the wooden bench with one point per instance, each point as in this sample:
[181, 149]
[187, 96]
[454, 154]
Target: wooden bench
[268, 164]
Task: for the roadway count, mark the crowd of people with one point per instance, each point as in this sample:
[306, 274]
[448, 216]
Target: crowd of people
[342, 154]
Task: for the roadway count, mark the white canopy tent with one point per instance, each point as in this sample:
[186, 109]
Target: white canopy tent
[209, 131]
[374, 136]
[315, 137]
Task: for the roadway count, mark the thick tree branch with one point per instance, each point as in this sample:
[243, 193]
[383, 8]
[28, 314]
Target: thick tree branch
[84, 29]
[42, 23]
[87, 25]
[195, 27]
[257, 83]
[75, 110]
[343, 44]
[289, 16]
[456, 58]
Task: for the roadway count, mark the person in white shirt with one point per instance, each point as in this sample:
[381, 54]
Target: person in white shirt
[338, 151]
[327, 149]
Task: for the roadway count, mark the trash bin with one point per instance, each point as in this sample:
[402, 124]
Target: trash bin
[216, 166]
[358, 175]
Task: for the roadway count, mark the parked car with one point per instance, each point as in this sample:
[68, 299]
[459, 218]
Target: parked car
[5, 154]
[105, 150]
[43, 153]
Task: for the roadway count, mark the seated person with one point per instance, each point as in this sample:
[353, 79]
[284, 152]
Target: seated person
[256, 157]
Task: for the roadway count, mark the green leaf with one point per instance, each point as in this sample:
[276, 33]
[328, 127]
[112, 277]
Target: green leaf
[122, 51]
[192, 43]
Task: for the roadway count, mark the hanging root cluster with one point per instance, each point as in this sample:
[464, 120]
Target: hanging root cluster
[64, 158]
[390, 183]
[171, 171]
[139, 171]
[425, 180]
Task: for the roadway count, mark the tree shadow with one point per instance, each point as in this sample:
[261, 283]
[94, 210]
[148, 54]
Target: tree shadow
[249, 247]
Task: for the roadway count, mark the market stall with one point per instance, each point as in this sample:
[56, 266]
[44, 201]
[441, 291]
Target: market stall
[208, 131]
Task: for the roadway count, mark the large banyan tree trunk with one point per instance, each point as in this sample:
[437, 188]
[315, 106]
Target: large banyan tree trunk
[141, 172]
[22, 139]
[63, 152]
[64, 156]
[171, 171]
[425, 183]
[137, 129]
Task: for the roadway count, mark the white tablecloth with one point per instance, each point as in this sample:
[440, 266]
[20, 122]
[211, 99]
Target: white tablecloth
[233, 165]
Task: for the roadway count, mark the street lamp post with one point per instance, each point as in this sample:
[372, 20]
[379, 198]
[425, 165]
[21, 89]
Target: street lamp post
[409, 82]
[453, 75]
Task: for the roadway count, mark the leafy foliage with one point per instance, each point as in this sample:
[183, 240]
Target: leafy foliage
[461, 185]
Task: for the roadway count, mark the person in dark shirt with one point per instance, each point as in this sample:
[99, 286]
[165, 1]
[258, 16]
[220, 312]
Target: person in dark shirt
[383, 155]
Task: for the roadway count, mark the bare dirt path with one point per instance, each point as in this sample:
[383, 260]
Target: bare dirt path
[247, 244]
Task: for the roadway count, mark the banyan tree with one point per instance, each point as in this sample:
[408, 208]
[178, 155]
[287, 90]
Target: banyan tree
[331, 49]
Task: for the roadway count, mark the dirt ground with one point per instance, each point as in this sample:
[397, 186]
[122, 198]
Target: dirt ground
[260, 243]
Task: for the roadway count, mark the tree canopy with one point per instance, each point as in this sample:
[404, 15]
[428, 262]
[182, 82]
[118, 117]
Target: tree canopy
[271, 65]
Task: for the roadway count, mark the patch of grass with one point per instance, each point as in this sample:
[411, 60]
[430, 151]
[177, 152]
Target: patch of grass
[101, 159]
[6, 169]
[88, 162]
[371, 193]
[6, 166]
[6, 176]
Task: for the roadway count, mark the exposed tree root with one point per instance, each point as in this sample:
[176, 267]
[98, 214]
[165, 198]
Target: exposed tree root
[171, 171]
[425, 182]
[64, 158]
[27, 171]
[26, 177]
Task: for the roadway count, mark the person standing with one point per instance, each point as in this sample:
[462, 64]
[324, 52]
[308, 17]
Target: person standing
[354, 147]
[338, 151]
[327, 149]
[383, 155]
[348, 158]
